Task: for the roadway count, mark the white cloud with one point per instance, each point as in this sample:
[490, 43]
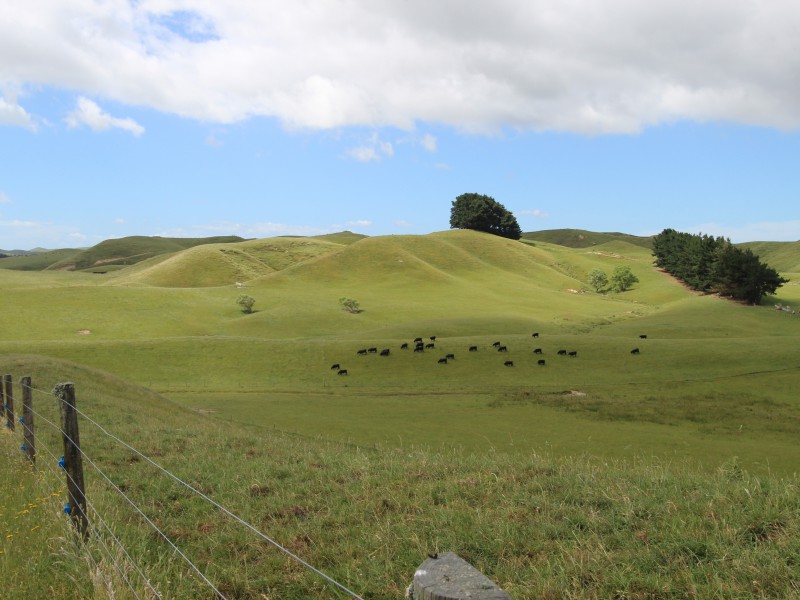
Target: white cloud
[119, 221]
[773, 231]
[535, 213]
[22, 234]
[591, 66]
[402, 223]
[360, 223]
[373, 150]
[4, 199]
[429, 142]
[90, 114]
[246, 230]
[11, 113]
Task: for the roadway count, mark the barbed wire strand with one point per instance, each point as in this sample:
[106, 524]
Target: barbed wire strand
[220, 507]
[139, 510]
[100, 539]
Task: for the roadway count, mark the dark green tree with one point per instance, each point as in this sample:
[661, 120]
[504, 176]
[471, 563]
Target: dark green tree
[483, 213]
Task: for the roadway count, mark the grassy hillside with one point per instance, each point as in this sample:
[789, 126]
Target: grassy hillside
[668, 472]
[579, 238]
[131, 250]
[341, 237]
[781, 256]
[38, 261]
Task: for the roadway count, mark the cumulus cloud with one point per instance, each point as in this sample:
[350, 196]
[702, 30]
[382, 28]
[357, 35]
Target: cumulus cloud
[90, 114]
[429, 142]
[360, 223]
[373, 150]
[11, 113]
[591, 66]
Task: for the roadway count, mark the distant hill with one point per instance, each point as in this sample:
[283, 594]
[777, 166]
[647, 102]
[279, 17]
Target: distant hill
[131, 250]
[36, 261]
[342, 237]
[580, 238]
[784, 257]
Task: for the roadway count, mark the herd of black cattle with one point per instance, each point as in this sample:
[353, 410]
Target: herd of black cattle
[422, 346]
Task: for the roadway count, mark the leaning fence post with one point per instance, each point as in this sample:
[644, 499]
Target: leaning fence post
[9, 404]
[27, 419]
[2, 400]
[73, 460]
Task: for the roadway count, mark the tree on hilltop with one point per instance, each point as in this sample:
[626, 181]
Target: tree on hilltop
[483, 213]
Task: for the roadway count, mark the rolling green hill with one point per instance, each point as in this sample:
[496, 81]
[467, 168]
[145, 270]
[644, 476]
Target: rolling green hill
[38, 261]
[579, 238]
[131, 250]
[781, 256]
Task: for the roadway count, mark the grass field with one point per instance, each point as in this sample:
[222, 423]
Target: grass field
[557, 480]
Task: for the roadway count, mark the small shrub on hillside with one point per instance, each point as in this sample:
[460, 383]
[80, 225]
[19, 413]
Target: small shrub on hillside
[350, 305]
[246, 302]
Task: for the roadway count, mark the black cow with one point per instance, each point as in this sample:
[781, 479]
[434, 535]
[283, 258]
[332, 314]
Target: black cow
[562, 352]
[433, 338]
[635, 351]
[372, 350]
[404, 346]
[335, 366]
[534, 335]
[430, 345]
[385, 352]
[362, 351]
[442, 361]
[473, 348]
[540, 362]
[643, 336]
[508, 363]
[502, 349]
[419, 349]
[537, 351]
[573, 353]
[342, 372]
[496, 344]
[417, 340]
[450, 356]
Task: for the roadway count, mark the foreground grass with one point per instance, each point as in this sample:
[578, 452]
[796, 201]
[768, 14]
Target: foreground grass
[542, 527]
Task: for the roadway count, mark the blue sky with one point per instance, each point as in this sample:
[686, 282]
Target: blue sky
[199, 118]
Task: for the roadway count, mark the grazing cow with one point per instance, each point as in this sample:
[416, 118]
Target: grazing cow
[496, 344]
[362, 351]
[508, 363]
[635, 351]
[335, 366]
[342, 372]
[372, 350]
[417, 340]
[442, 361]
[385, 352]
[502, 349]
[540, 362]
[419, 349]
[573, 353]
[404, 346]
[433, 338]
[534, 335]
[537, 351]
[643, 336]
[562, 352]
[473, 348]
[453, 356]
[430, 345]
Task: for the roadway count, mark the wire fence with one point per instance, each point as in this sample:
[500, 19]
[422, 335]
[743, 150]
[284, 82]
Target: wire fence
[113, 560]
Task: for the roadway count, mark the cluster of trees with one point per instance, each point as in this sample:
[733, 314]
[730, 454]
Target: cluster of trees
[622, 279]
[483, 213]
[710, 264]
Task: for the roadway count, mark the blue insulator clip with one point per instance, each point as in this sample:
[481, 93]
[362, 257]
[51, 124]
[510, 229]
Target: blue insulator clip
[22, 447]
[22, 420]
[67, 508]
[61, 463]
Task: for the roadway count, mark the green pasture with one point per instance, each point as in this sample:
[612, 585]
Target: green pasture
[714, 379]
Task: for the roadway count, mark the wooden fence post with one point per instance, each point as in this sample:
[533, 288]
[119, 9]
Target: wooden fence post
[449, 577]
[9, 404]
[73, 460]
[2, 400]
[27, 419]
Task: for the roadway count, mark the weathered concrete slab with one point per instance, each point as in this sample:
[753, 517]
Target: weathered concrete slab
[449, 577]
